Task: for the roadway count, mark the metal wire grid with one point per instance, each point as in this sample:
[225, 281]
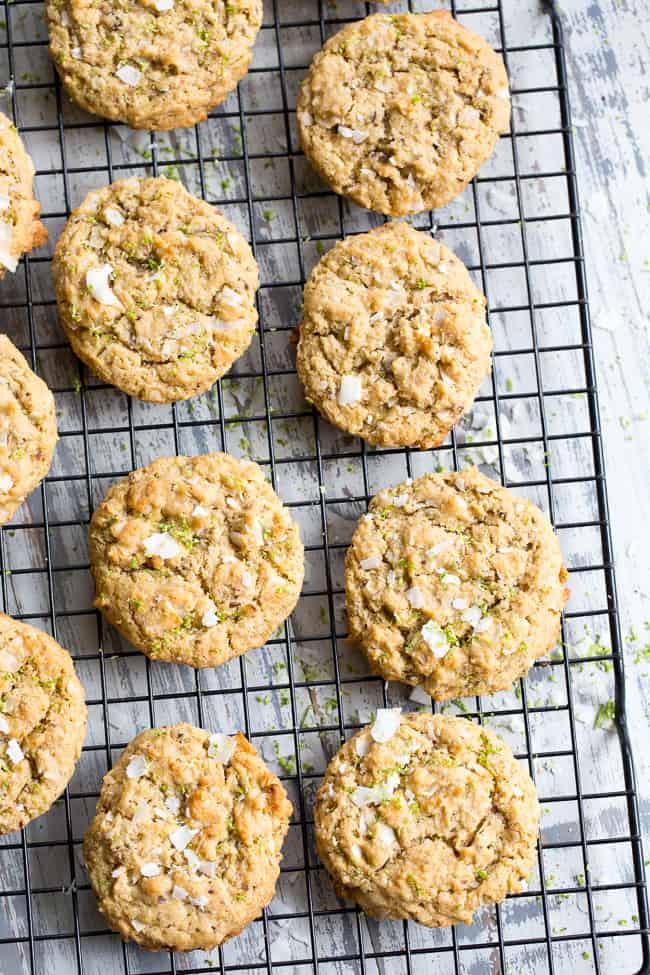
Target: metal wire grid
[39, 870]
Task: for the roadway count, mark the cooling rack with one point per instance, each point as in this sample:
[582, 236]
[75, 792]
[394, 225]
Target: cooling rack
[535, 425]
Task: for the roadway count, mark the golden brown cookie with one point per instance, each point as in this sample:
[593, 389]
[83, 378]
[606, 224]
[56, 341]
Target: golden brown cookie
[195, 559]
[455, 583]
[155, 289]
[393, 345]
[20, 229]
[400, 111]
[185, 847]
[153, 64]
[427, 818]
[27, 429]
[42, 722]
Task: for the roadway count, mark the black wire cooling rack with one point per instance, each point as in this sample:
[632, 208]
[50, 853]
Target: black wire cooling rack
[535, 425]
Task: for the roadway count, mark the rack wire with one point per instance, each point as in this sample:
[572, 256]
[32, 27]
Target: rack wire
[535, 425]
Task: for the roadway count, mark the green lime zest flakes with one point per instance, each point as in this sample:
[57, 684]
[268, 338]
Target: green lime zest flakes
[606, 713]
[487, 750]
[181, 532]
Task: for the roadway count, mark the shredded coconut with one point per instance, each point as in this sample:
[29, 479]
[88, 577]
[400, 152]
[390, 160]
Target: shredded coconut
[137, 767]
[14, 751]
[97, 282]
[129, 75]
[435, 639]
[386, 724]
[222, 747]
[373, 562]
[163, 545]
[182, 836]
[6, 483]
[356, 135]
[415, 598]
[350, 390]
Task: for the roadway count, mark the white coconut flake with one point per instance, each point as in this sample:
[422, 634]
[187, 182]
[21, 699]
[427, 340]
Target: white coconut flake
[362, 745]
[137, 925]
[386, 724]
[113, 216]
[472, 615]
[180, 837]
[306, 119]
[460, 483]
[399, 500]
[469, 116]
[208, 867]
[173, 803]
[222, 747]
[76, 53]
[385, 834]
[437, 549]
[483, 624]
[199, 511]
[97, 281]
[163, 5]
[14, 751]
[435, 639]
[6, 483]
[129, 75]
[163, 545]
[415, 597]
[459, 603]
[168, 310]
[150, 869]
[209, 618]
[367, 818]
[117, 872]
[6, 257]
[356, 135]
[376, 794]
[137, 767]
[356, 851]
[372, 562]
[4, 201]
[350, 390]
[4, 725]
[179, 893]
[449, 579]
[230, 296]
[192, 859]
[141, 813]
[200, 902]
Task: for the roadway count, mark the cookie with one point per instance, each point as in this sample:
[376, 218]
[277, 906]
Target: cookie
[185, 847]
[399, 111]
[27, 429]
[195, 559]
[154, 64]
[42, 722]
[427, 818]
[455, 583]
[393, 345]
[155, 289]
[20, 229]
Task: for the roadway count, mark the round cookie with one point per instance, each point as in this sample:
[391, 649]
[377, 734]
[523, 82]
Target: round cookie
[20, 229]
[42, 722]
[155, 289]
[27, 429]
[185, 847]
[427, 818]
[455, 583]
[393, 345]
[153, 64]
[400, 111]
[195, 559]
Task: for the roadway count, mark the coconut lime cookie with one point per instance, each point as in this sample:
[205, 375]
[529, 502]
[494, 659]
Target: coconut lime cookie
[393, 345]
[20, 229]
[27, 429]
[426, 817]
[42, 722]
[455, 583]
[400, 111]
[195, 559]
[155, 289]
[185, 847]
[153, 64]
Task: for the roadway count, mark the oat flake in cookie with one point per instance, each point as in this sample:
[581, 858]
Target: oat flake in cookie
[426, 817]
[155, 289]
[185, 847]
[27, 429]
[455, 583]
[195, 559]
[399, 112]
[42, 722]
[153, 64]
[393, 345]
[20, 228]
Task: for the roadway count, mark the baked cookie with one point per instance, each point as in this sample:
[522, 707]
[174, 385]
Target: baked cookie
[426, 817]
[195, 559]
[42, 722]
[185, 847]
[20, 228]
[27, 429]
[153, 64]
[455, 583]
[400, 111]
[155, 289]
[393, 345]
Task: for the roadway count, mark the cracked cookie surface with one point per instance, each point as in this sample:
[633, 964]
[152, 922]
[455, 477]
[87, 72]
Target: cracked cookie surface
[426, 817]
[195, 559]
[42, 722]
[20, 229]
[153, 64]
[399, 112]
[185, 847]
[455, 583]
[28, 432]
[155, 289]
[393, 345]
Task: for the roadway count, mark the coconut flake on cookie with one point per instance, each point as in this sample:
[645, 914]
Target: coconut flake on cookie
[6, 257]
[129, 75]
[137, 767]
[6, 483]
[435, 639]
[222, 747]
[97, 282]
[350, 390]
[386, 724]
[162, 545]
